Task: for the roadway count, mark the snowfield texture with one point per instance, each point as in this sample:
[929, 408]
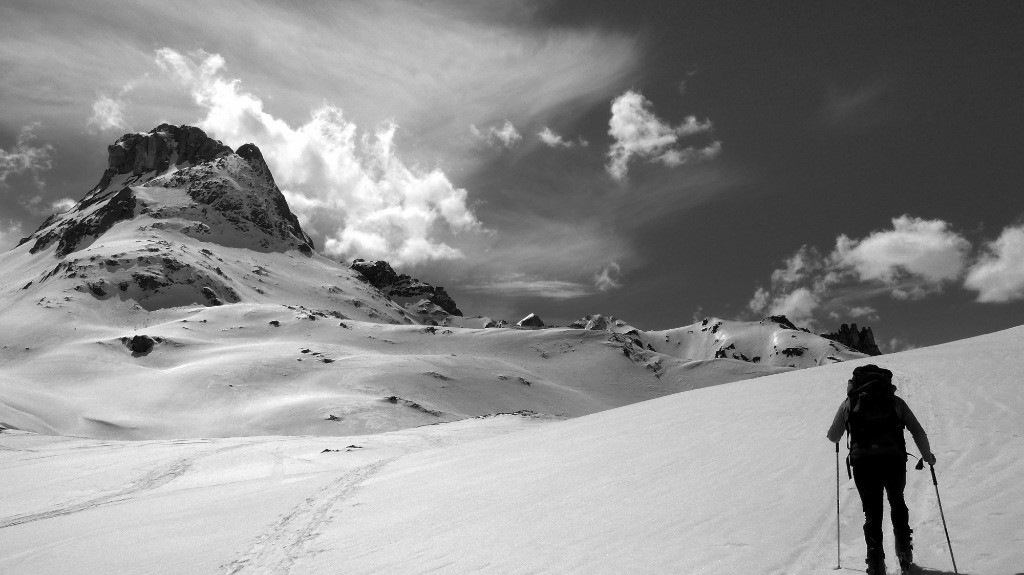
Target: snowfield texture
[187, 387]
[733, 478]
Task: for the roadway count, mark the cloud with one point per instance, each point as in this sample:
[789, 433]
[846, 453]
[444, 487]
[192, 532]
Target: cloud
[607, 278]
[349, 189]
[25, 157]
[553, 140]
[504, 137]
[110, 113]
[523, 286]
[998, 275]
[798, 305]
[107, 114]
[799, 266]
[62, 205]
[926, 250]
[914, 259]
[639, 133]
[865, 311]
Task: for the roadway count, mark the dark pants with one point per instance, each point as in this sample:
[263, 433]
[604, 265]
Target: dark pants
[872, 475]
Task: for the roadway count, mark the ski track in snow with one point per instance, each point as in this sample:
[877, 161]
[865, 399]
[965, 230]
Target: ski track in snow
[279, 546]
[154, 479]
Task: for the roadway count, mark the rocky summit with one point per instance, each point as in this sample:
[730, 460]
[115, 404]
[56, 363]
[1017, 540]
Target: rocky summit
[235, 189]
[862, 340]
[177, 219]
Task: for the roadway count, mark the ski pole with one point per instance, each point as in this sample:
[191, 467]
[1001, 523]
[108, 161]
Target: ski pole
[839, 560]
[935, 482]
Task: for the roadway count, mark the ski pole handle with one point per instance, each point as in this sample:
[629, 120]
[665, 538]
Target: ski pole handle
[935, 481]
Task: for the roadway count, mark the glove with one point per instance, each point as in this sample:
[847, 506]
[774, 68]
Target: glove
[929, 458]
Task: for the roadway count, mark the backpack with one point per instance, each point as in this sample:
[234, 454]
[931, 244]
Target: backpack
[874, 425]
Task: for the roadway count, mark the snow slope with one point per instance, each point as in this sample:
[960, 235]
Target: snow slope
[733, 478]
[193, 245]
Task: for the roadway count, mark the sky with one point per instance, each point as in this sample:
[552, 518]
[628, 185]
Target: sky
[661, 162]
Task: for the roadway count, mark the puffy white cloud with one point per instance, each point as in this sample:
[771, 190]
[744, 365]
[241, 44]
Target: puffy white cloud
[639, 133]
[761, 300]
[505, 136]
[555, 140]
[799, 266]
[798, 305]
[998, 275]
[925, 250]
[24, 157]
[348, 188]
[910, 261]
[607, 278]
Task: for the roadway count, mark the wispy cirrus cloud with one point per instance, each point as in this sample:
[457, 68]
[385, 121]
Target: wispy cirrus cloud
[504, 136]
[640, 134]
[554, 140]
[26, 158]
[608, 277]
[110, 112]
[521, 285]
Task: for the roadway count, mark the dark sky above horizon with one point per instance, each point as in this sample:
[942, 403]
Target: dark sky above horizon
[656, 161]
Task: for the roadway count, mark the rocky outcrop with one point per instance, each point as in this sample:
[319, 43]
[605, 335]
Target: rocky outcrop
[248, 199]
[239, 188]
[532, 320]
[118, 208]
[382, 276]
[862, 340]
[595, 322]
[781, 320]
[155, 151]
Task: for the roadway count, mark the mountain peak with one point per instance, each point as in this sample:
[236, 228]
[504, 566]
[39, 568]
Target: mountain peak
[162, 147]
[187, 180]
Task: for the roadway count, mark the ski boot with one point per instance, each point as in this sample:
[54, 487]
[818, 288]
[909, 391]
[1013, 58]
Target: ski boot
[905, 551]
[875, 561]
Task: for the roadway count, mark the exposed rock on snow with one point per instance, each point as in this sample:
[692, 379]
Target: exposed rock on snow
[531, 320]
[227, 195]
[139, 344]
[160, 148]
[397, 286]
[862, 340]
[591, 322]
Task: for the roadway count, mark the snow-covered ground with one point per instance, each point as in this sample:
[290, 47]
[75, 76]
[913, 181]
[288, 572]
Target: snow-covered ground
[734, 478]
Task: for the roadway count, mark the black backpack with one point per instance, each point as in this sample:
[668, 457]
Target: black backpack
[874, 425]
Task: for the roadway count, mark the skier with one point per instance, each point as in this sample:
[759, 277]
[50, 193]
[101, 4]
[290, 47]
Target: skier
[875, 419]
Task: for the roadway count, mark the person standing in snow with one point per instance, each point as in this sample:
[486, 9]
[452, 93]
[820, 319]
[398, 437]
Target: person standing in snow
[875, 419]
